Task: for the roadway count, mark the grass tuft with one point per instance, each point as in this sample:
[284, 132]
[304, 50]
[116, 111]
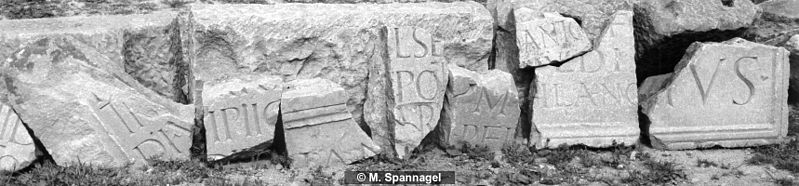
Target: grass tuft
[656, 172]
[785, 156]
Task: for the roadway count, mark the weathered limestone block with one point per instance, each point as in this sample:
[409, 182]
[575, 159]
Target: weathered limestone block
[778, 21]
[731, 94]
[591, 99]
[240, 113]
[546, 37]
[319, 130]
[17, 150]
[592, 15]
[338, 42]
[786, 9]
[652, 85]
[151, 57]
[673, 17]
[664, 28]
[66, 79]
[483, 108]
[415, 78]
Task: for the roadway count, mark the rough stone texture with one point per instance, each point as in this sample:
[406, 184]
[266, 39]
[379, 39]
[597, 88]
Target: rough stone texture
[592, 15]
[338, 42]
[17, 150]
[665, 28]
[731, 94]
[240, 113]
[779, 21]
[673, 17]
[546, 37]
[793, 89]
[781, 8]
[591, 99]
[652, 85]
[482, 108]
[415, 82]
[66, 80]
[150, 54]
[372, 1]
[319, 131]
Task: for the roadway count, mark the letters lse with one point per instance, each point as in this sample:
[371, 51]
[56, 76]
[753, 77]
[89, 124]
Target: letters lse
[418, 81]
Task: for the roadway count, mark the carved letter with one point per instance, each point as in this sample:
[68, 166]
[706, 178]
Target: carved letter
[746, 81]
[419, 88]
[397, 47]
[424, 46]
[400, 84]
[702, 90]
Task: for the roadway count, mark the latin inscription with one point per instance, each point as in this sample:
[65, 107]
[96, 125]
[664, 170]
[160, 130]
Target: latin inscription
[251, 117]
[418, 80]
[11, 128]
[143, 137]
[14, 140]
[485, 108]
[550, 38]
[705, 85]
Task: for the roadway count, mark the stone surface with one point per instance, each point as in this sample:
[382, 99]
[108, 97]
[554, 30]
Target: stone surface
[415, 79]
[665, 28]
[150, 54]
[17, 150]
[240, 113]
[652, 85]
[338, 42]
[591, 99]
[66, 79]
[678, 16]
[546, 37]
[793, 88]
[731, 94]
[482, 108]
[787, 9]
[592, 15]
[319, 131]
[779, 20]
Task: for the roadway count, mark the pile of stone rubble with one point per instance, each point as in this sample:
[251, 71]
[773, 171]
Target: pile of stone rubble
[338, 83]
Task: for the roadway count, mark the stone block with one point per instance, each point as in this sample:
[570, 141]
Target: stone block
[591, 99]
[547, 37]
[592, 15]
[665, 28]
[17, 150]
[482, 108]
[240, 113]
[732, 94]
[318, 128]
[415, 79]
[66, 79]
[338, 42]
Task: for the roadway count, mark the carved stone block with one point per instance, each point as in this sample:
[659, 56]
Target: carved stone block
[240, 113]
[319, 130]
[418, 79]
[17, 150]
[482, 109]
[546, 37]
[338, 42]
[731, 94]
[70, 87]
[591, 99]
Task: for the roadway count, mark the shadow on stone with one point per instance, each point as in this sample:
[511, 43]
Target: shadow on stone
[273, 151]
[659, 56]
